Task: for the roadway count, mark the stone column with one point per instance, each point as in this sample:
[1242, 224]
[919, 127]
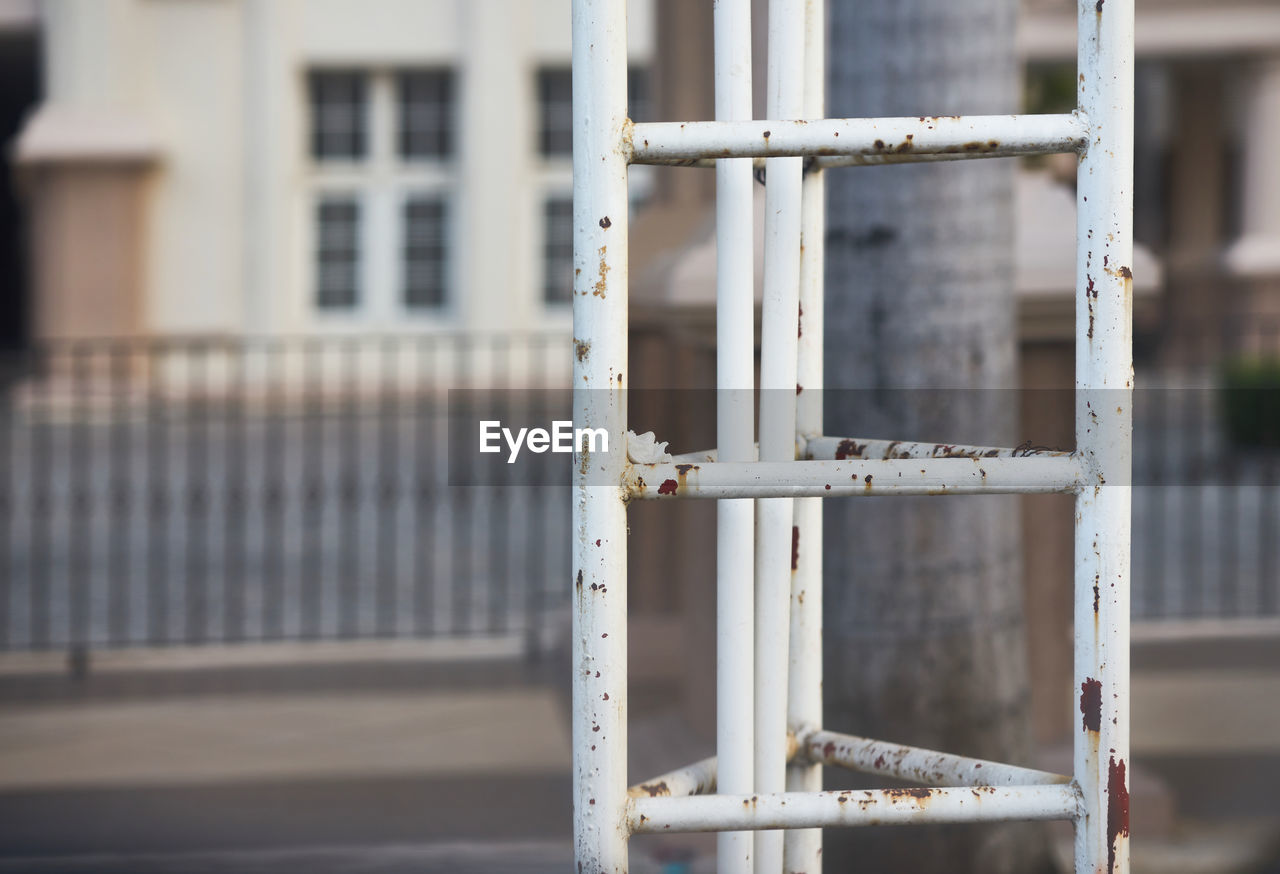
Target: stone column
[1254, 258]
[82, 160]
[492, 161]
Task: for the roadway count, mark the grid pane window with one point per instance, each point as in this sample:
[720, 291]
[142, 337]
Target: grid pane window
[425, 252]
[555, 109]
[557, 251]
[426, 114]
[339, 115]
[337, 254]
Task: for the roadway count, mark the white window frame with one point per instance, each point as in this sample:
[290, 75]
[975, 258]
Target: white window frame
[381, 183]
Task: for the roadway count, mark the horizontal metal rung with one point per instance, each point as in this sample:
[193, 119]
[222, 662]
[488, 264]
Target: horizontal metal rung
[854, 477]
[859, 140]
[854, 807]
[839, 448]
[929, 767]
[698, 778]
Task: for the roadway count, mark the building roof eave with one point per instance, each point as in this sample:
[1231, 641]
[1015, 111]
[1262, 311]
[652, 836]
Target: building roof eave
[64, 135]
[1208, 31]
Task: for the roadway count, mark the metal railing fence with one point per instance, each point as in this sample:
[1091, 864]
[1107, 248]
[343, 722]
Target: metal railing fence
[1206, 539]
[191, 491]
[185, 491]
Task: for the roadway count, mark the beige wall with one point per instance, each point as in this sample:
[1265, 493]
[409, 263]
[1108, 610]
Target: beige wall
[87, 235]
[217, 91]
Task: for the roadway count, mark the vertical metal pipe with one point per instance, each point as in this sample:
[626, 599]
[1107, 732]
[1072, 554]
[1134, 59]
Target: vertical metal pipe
[79, 528]
[735, 429]
[39, 510]
[195, 579]
[1104, 380]
[382, 492]
[117, 498]
[275, 435]
[802, 848]
[349, 486]
[599, 514]
[778, 354]
[9, 486]
[158, 512]
[312, 466]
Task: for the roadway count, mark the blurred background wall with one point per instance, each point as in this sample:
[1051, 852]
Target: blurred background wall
[298, 167]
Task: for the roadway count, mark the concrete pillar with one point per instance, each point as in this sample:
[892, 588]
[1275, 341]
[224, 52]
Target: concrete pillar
[81, 161]
[1196, 209]
[1258, 249]
[88, 46]
[1254, 258]
[273, 129]
[494, 153]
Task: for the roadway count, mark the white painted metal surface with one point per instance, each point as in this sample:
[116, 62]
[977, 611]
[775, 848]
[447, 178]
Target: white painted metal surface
[926, 767]
[778, 349]
[1104, 432]
[860, 140]
[802, 848]
[599, 378]
[769, 639]
[854, 477]
[860, 807]
[735, 429]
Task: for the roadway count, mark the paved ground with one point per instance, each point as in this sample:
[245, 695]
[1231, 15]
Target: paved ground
[221, 739]
[463, 858]
[406, 762]
[293, 764]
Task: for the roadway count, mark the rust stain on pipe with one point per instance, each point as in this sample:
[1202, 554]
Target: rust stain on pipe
[1091, 704]
[1117, 809]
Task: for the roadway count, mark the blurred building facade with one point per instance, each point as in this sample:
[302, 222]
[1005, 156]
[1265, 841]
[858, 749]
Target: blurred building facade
[1207, 177]
[320, 166]
[299, 166]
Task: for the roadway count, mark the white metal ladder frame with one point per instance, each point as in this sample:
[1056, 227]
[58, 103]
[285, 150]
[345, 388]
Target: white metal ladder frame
[770, 742]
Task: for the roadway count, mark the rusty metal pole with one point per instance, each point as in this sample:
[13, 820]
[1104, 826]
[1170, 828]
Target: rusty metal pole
[802, 848]
[1104, 428]
[778, 361]
[735, 429]
[599, 401]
